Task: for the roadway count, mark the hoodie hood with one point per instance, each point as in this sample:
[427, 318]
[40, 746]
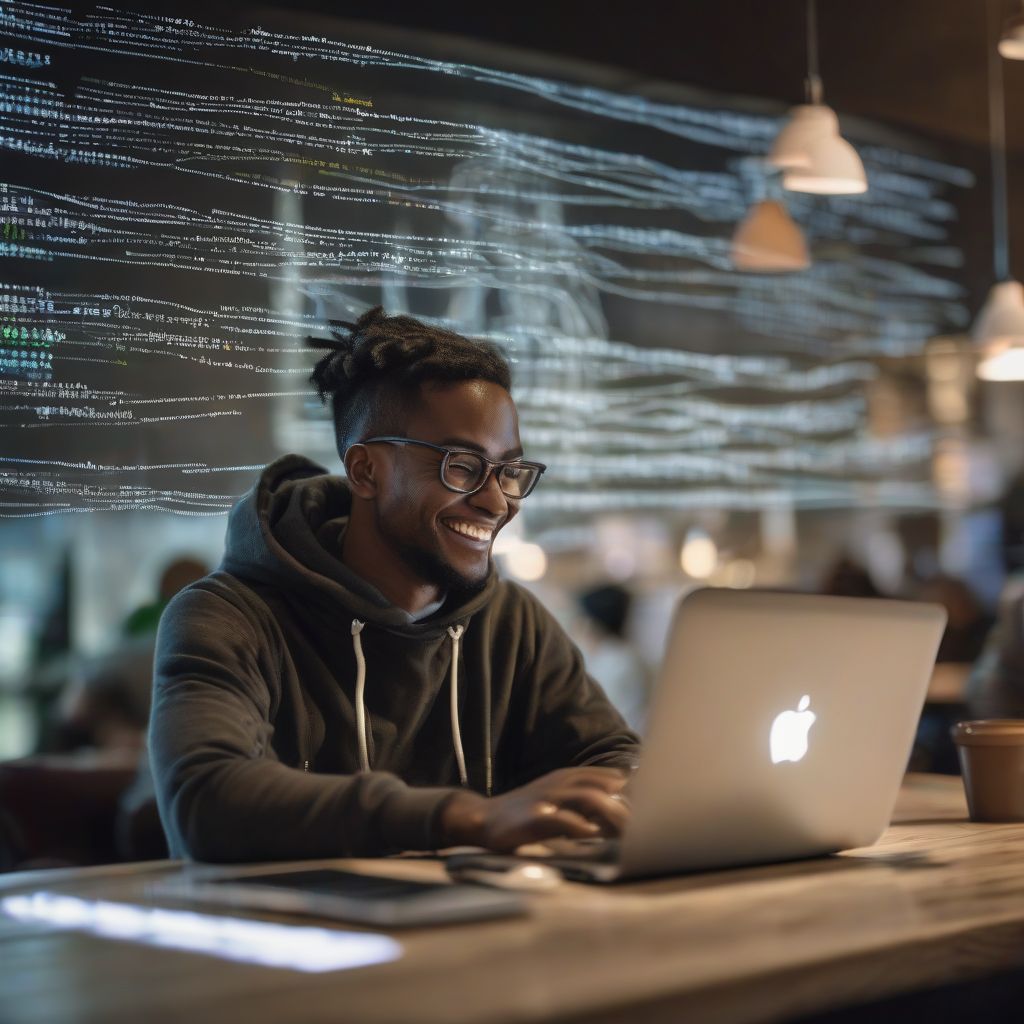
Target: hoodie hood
[287, 532]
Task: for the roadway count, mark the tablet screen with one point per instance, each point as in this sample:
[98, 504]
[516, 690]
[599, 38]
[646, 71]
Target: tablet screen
[348, 896]
[338, 883]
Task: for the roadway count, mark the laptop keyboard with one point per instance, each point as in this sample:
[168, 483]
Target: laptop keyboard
[600, 850]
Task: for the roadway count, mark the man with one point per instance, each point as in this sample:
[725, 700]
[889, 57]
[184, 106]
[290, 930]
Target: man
[355, 679]
[996, 685]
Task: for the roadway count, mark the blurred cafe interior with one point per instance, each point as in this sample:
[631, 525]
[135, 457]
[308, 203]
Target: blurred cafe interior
[744, 367]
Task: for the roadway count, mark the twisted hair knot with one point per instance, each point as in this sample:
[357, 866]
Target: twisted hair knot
[372, 366]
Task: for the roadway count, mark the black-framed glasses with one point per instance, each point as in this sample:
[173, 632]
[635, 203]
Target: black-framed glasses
[466, 472]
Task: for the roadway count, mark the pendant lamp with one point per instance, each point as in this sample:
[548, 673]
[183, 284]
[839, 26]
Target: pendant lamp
[812, 154]
[998, 331]
[768, 240]
[1011, 44]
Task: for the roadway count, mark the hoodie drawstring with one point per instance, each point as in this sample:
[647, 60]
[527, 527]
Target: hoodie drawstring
[357, 643]
[455, 632]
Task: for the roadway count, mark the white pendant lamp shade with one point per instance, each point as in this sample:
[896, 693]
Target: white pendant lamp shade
[834, 169]
[769, 240]
[999, 333]
[814, 157]
[1011, 46]
[1001, 320]
[806, 123]
[1007, 365]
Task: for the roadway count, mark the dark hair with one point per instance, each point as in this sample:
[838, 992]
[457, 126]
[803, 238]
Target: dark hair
[608, 606]
[375, 367]
[1012, 509]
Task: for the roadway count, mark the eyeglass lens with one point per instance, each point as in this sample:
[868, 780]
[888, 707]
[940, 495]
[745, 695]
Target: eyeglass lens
[464, 471]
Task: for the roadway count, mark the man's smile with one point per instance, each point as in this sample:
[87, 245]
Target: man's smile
[471, 531]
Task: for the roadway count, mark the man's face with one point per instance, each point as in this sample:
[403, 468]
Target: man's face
[417, 515]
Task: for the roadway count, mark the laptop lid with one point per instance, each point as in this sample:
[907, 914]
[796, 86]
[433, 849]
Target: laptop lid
[780, 727]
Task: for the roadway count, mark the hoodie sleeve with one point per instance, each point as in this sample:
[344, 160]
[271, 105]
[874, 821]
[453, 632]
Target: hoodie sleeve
[569, 719]
[222, 796]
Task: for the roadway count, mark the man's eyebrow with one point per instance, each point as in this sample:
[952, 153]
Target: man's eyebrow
[461, 442]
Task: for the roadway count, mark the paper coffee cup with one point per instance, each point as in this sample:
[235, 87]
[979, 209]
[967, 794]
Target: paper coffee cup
[991, 752]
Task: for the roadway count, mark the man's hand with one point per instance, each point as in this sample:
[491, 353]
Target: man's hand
[577, 802]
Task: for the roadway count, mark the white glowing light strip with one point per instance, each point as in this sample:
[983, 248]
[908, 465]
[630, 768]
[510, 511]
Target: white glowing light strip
[709, 249]
[313, 950]
[877, 306]
[611, 360]
[587, 166]
[162, 38]
[102, 468]
[185, 467]
[120, 497]
[824, 416]
[848, 458]
[763, 493]
[798, 496]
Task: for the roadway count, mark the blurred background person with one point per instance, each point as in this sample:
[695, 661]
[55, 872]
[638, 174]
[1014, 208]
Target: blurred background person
[848, 578]
[105, 701]
[996, 686]
[967, 624]
[86, 794]
[610, 657]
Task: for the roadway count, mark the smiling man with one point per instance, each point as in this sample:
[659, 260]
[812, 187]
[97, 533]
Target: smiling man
[355, 679]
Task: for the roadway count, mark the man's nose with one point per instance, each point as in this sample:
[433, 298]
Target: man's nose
[490, 497]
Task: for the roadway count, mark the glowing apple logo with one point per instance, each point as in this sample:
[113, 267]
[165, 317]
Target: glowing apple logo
[788, 738]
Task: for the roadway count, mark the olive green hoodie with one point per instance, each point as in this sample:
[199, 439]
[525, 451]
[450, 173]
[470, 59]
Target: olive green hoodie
[298, 714]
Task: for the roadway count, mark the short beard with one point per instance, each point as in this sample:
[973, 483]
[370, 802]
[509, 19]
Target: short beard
[433, 569]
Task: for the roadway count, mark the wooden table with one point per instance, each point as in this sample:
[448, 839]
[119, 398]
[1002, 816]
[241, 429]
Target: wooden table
[938, 899]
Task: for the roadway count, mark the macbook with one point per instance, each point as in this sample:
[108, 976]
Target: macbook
[780, 728]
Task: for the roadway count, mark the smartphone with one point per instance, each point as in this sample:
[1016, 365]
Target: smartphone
[341, 895]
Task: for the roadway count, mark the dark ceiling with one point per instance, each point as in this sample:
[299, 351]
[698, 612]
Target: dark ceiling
[919, 64]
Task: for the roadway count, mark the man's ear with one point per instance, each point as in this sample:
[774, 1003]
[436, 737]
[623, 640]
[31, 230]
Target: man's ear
[361, 471]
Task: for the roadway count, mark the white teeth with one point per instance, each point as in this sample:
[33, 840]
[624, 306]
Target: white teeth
[468, 530]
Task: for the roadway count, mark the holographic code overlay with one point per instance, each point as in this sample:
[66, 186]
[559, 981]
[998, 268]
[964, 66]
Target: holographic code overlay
[182, 203]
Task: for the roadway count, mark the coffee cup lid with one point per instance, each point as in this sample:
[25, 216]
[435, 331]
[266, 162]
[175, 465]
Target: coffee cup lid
[990, 732]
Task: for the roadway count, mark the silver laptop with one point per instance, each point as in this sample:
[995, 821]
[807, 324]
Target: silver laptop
[780, 728]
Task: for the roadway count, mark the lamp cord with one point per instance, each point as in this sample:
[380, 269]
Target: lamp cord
[997, 138]
[813, 83]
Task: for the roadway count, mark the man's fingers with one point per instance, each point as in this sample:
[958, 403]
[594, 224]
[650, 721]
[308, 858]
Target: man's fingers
[604, 810]
[611, 780]
[545, 821]
[609, 813]
[580, 803]
[563, 822]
